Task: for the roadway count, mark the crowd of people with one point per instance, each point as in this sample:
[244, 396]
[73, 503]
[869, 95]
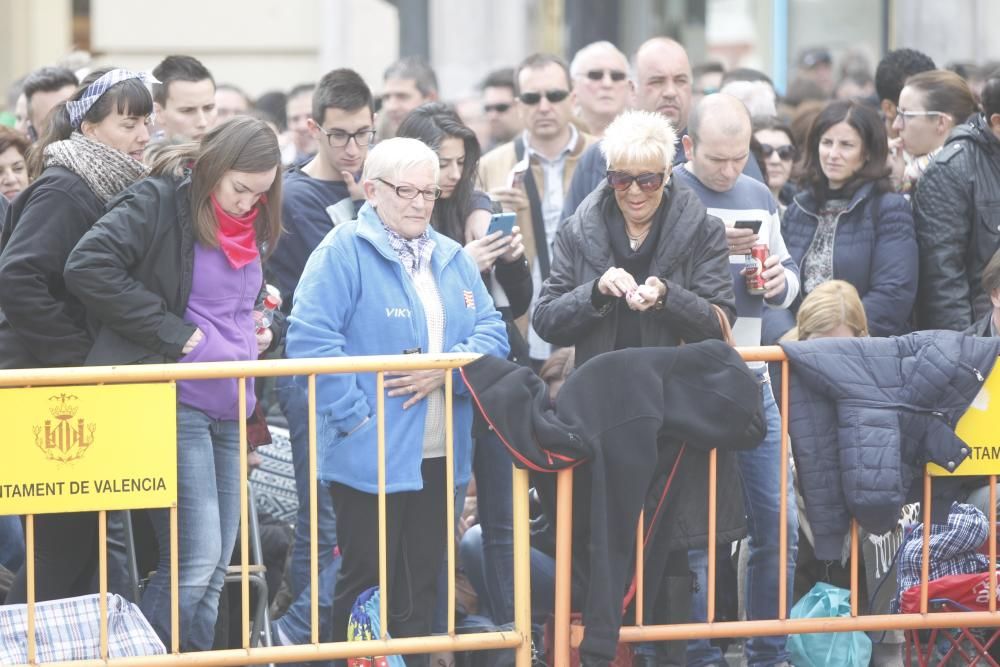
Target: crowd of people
[146, 216]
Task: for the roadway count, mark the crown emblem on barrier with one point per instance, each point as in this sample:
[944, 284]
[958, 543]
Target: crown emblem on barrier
[65, 439]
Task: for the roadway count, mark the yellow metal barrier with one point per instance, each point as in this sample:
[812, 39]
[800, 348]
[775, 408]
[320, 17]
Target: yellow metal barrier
[519, 639]
[566, 635]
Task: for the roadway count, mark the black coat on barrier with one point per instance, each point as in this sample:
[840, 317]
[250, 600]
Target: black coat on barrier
[621, 418]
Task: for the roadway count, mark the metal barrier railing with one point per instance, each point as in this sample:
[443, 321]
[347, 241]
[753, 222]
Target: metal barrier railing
[519, 639]
[566, 635]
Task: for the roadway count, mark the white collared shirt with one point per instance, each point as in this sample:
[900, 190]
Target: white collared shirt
[552, 195]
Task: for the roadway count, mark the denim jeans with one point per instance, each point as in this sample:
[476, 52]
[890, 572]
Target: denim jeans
[543, 574]
[493, 469]
[760, 478]
[208, 519]
[11, 542]
[295, 624]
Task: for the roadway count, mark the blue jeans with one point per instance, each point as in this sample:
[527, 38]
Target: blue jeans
[208, 519]
[760, 478]
[543, 574]
[11, 542]
[295, 624]
[493, 468]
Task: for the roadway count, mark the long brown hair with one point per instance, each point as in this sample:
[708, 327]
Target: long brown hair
[240, 144]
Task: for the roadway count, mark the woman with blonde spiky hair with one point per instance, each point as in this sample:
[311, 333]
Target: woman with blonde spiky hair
[642, 264]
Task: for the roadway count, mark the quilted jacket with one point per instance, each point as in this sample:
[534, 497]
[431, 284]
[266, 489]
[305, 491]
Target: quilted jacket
[866, 415]
[956, 208]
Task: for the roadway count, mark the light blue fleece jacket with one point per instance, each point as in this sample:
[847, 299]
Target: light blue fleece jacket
[355, 298]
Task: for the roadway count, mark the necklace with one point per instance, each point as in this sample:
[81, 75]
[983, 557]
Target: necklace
[635, 241]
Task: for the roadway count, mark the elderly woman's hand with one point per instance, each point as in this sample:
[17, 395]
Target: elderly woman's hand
[647, 295]
[416, 383]
[616, 282]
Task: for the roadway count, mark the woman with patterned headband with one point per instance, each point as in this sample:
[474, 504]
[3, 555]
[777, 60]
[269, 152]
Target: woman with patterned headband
[90, 152]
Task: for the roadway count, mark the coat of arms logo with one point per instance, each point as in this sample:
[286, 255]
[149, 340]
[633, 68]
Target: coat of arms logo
[64, 439]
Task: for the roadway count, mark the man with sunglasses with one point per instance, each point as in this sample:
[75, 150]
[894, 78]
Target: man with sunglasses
[530, 174]
[663, 84]
[322, 193]
[717, 147]
[499, 107]
[602, 84]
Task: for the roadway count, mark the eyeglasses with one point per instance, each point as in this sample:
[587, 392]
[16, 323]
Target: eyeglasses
[339, 138]
[906, 115]
[598, 75]
[500, 107]
[553, 96]
[786, 152]
[647, 182]
[411, 191]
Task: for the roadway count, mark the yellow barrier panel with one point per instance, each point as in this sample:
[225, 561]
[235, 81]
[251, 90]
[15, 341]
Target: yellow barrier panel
[79, 448]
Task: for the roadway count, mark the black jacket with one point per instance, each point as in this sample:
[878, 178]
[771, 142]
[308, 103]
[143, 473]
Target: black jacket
[515, 279]
[621, 417]
[691, 258]
[42, 323]
[867, 414]
[145, 289]
[956, 207]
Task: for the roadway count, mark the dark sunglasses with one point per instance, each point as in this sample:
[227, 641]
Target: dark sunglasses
[500, 107]
[598, 74]
[786, 152]
[620, 180]
[553, 96]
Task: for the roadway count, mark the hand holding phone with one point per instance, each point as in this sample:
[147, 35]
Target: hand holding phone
[502, 222]
[742, 236]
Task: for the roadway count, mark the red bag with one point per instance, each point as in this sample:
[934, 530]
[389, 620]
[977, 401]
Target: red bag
[968, 591]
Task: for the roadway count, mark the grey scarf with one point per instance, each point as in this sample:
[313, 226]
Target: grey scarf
[106, 170]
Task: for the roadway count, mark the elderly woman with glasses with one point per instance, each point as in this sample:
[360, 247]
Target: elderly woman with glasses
[388, 283]
[642, 264]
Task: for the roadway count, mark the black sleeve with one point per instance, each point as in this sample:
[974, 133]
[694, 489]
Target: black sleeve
[515, 279]
[99, 272]
[33, 297]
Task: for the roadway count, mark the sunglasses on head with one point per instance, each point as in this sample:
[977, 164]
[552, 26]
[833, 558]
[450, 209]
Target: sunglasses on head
[553, 96]
[786, 152]
[500, 107]
[598, 74]
[647, 182]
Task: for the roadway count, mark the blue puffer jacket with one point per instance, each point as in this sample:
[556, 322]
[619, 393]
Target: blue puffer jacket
[875, 249]
[355, 299]
[866, 415]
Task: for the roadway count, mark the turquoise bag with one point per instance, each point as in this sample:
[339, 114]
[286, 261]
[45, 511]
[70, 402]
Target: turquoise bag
[827, 649]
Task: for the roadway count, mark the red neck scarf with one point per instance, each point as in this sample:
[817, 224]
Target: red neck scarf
[237, 238]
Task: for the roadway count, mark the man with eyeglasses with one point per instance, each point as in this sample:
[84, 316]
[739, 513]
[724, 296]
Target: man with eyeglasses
[499, 107]
[602, 85]
[717, 146]
[530, 175]
[317, 196]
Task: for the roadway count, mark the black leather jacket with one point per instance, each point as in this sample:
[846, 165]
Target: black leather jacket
[956, 208]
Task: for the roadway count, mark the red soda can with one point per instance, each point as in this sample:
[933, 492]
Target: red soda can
[753, 270]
